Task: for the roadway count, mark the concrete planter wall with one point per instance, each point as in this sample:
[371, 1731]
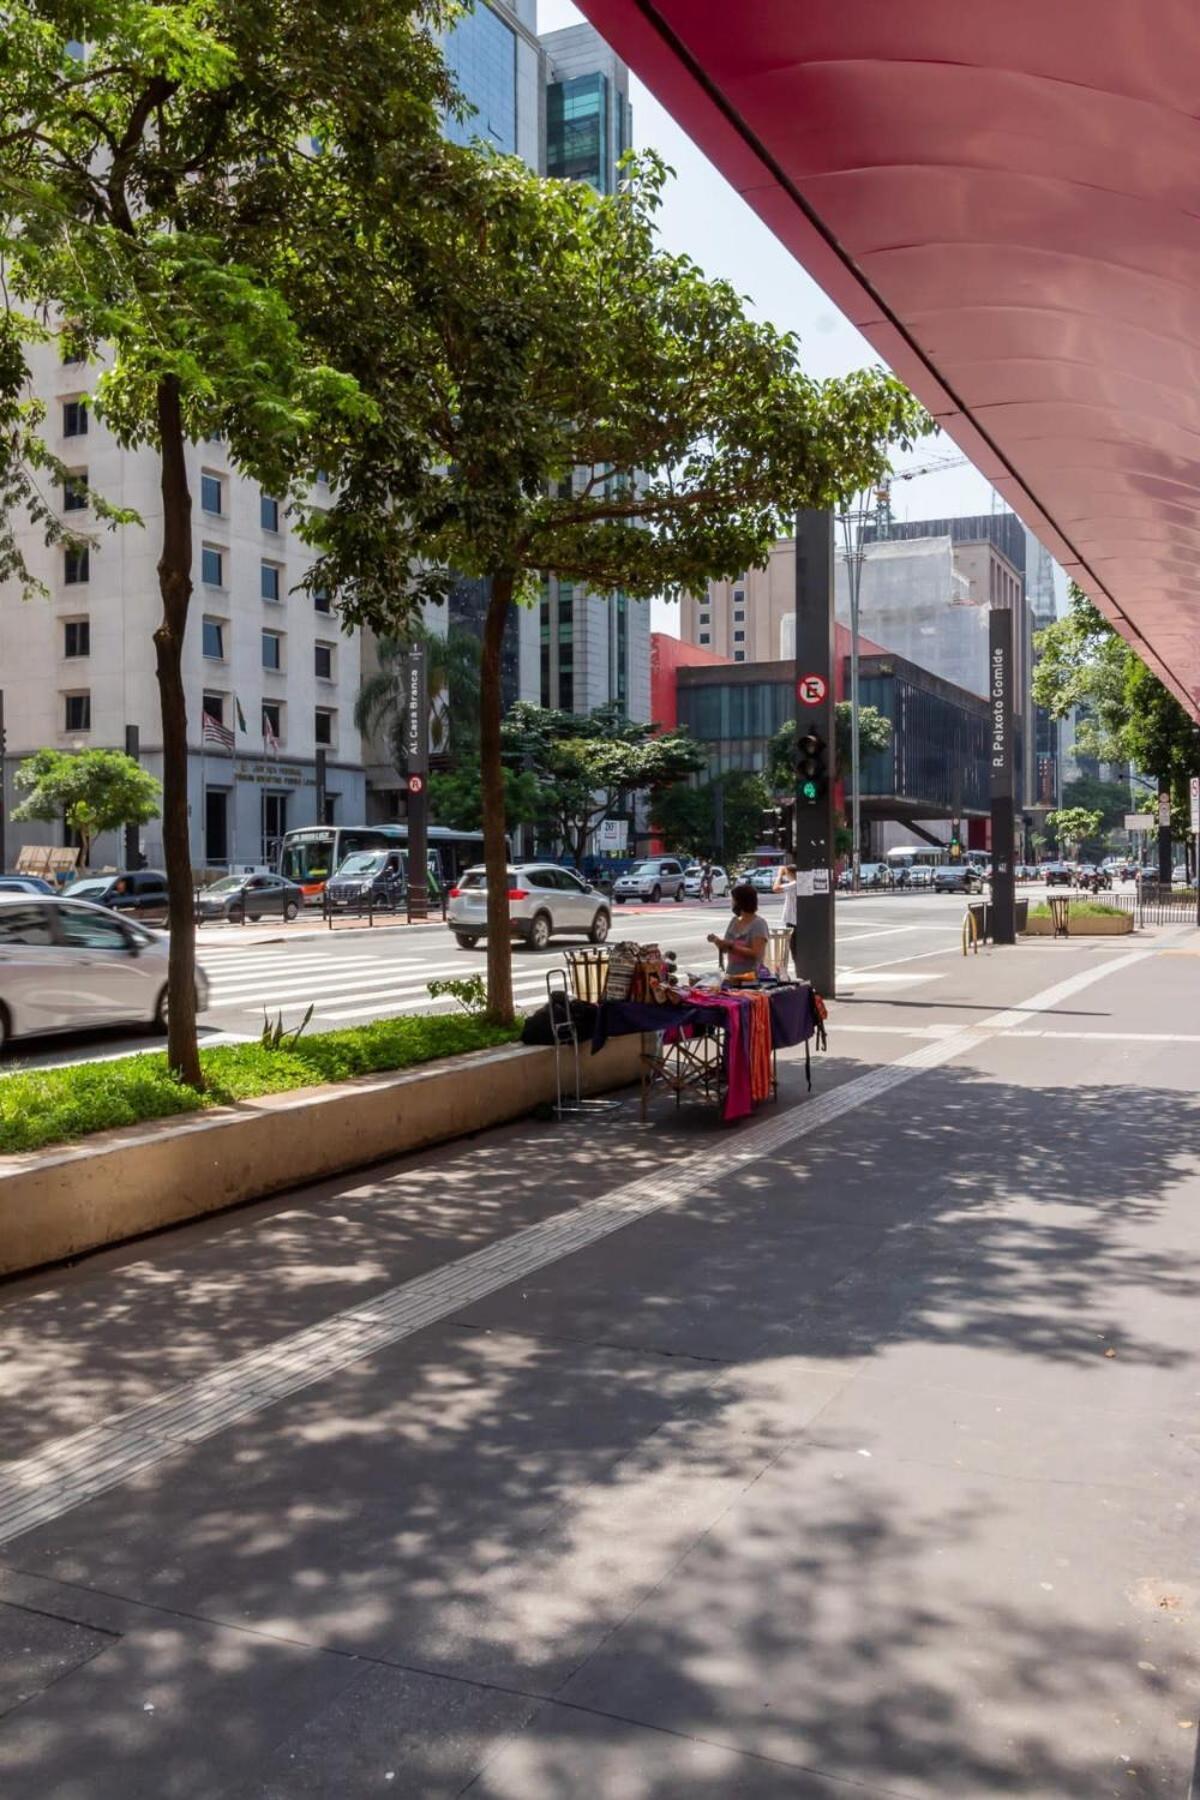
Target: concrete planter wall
[62, 1202]
[1081, 925]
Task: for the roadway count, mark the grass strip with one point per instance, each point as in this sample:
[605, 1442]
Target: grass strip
[59, 1105]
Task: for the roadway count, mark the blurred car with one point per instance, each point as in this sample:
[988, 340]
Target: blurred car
[693, 875]
[918, 875]
[1179, 875]
[1058, 874]
[25, 884]
[762, 879]
[139, 893]
[543, 901]
[957, 878]
[377, 877]
[66, 965]
[658, 878]
[241, 897]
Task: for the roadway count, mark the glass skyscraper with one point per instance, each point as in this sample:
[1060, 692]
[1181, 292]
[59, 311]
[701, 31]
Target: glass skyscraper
[481, 54]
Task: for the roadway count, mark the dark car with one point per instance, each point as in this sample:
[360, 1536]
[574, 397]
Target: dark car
[241, 897]
[957, 878]
[368, 877]
[25, 884]
[135, 893]
[1058, 874]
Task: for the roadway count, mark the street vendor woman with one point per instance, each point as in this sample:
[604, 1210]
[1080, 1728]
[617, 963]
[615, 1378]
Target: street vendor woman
[746, 935]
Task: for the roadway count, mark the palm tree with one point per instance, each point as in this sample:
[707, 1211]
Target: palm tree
[452, 664]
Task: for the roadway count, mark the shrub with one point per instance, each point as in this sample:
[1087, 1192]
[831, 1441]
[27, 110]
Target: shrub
[53, 1106]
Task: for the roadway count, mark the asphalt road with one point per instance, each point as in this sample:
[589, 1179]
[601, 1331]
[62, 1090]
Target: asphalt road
[353, 975]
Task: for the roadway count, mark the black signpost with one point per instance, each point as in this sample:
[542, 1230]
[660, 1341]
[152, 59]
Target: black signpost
[814, 749]
[1000, 701]
[132, 847]
[1164, 832]
[416, 739]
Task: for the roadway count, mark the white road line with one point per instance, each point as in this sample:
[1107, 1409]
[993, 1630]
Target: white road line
[1113, 1037]
[70, 1471]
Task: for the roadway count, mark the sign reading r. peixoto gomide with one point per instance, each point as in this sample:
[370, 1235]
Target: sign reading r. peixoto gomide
[1000, 705]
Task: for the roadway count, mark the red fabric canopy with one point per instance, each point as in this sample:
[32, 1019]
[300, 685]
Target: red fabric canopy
[1005, 200]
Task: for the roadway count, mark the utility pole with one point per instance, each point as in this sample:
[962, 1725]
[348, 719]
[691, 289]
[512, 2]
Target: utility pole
[814, 750]
[1164, 831]
[133, 848]
[852, 523]
[3, 802]
[417, 744]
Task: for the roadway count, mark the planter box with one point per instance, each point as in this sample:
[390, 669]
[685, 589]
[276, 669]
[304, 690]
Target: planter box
[64, 1201]
[1080, 925]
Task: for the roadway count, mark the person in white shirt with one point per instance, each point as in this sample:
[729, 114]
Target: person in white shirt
[785, 884]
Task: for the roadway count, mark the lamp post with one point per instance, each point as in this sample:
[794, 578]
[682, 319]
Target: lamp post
[852, 522]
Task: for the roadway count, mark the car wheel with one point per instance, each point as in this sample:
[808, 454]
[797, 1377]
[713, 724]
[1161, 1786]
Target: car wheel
[655, 894]
[160, 1013]
[255, 917]
[600, 926]
[290, 911]
[539, 932]
[679, 893]
[464, 940]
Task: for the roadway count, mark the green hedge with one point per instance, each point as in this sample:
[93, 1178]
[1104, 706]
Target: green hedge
[53, 1106]
[1085, 909]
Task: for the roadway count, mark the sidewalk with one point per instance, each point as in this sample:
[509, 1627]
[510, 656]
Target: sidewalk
[851, 1452]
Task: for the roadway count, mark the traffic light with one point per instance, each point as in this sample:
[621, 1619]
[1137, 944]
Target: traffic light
[812, 775]
[768, 826]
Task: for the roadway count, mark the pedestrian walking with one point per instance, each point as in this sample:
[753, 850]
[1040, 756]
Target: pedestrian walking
[706, 882]
[785, 884]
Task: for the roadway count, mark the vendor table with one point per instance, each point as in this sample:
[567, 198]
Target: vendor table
[688, 1050]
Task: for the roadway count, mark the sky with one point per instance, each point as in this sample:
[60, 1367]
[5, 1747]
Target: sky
[704, 218]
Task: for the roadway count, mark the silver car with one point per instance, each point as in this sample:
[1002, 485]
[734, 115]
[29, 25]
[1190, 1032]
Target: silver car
[68, 966]
[657, 878]
[543, 900]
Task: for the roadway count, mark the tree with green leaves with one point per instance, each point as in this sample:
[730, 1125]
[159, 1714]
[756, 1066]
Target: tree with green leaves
[92, 790]
[456, 797]
[687, 816]
[555, 392]
[1074, 826]
[589, 766]
[1108, 798]
[1127, 715]
[169, 175]
[874, 733]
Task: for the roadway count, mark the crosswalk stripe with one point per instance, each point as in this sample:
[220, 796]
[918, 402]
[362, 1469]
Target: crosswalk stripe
[283, 985]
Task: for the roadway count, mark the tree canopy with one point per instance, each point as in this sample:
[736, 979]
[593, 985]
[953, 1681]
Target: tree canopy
[1074, 826]
[874, 733]
[93, 790]
[554, 392]
[687, 816]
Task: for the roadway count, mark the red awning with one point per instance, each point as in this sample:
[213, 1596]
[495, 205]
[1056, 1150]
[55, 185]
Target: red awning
[1005, 200]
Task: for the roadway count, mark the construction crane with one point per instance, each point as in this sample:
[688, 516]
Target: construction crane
[883, 493]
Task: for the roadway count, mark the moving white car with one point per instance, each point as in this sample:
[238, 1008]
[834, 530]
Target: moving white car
[66, 965]
[543, 900]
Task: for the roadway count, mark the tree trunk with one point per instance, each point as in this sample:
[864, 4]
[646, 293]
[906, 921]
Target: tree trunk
[491, 781]
[175, 587]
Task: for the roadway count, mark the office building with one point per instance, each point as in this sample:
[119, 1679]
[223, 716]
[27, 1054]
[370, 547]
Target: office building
[264, 663]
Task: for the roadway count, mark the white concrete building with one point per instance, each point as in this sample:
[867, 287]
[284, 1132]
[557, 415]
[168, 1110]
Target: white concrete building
[264, 661]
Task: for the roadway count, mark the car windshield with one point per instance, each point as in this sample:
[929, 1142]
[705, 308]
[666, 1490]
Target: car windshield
[226, 885]
[364, 862]
[81, 890]
[646, 868]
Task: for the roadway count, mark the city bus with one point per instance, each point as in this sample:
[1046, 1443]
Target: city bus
[310, 854]
[917, 856]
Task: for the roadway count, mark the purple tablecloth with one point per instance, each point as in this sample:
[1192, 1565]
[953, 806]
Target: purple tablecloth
[793, 1019]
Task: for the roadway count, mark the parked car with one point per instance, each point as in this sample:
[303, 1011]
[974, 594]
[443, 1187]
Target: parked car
[693, 875]
[25, 884]
[659, 878]
[957, 878]
[543, 901]
[1179, 875]
[66, 965]
[876, 875]
[241, 897]
[375, 876]
[1058, 874]
[139, 893]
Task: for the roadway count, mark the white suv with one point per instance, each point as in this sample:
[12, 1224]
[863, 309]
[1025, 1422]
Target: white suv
[542, 900]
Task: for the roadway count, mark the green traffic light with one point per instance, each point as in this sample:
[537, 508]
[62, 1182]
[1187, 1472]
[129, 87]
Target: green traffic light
[809, 790]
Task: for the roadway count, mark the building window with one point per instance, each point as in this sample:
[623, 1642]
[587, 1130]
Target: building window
[481, 54]
[323, 662]
[75, 418]
[70, 349]
[272, 723]
[577, 131]
[268, 581]
[75, 497]
[739, 637]
[321, 600]
[739, 597]
[214, 639]
[212, 566]
[705, 618]
[272, 650]
[76, 565]
[739, 656]
[77, 637]
[213, 706]
[78, 712]
[324, 720]
[212, 495]
[705, 637]
[739, 616]
[268, 513]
